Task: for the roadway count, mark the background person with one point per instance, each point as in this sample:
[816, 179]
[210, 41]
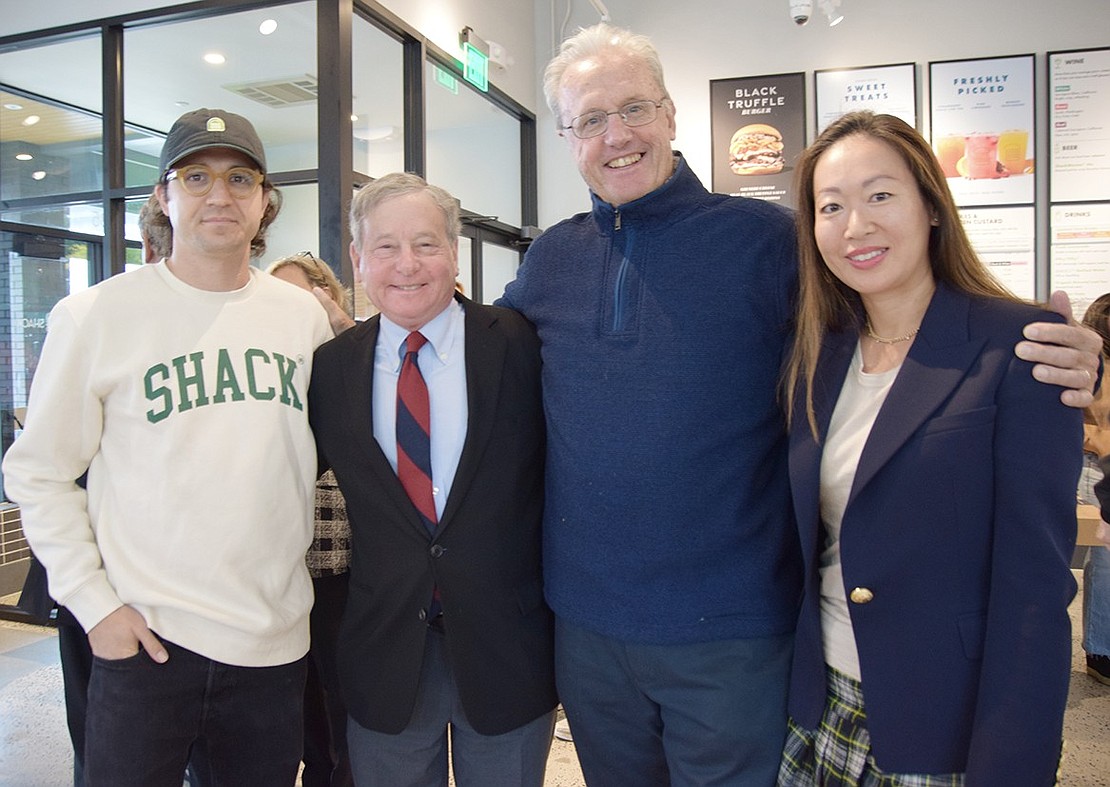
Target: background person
[326, 762]
[431, 417]
[1096, 456]
[932, 480]
[174, 385]
[668, 554]
[313, 274]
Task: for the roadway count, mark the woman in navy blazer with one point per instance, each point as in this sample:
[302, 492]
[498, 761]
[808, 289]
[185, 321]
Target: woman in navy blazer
[933, 484]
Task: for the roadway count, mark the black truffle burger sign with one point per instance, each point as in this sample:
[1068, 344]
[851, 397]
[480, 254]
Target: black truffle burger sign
[758, 126]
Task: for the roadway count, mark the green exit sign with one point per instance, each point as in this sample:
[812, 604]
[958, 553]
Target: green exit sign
[476, 67]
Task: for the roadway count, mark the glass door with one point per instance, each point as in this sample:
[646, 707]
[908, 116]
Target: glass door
[36, 271]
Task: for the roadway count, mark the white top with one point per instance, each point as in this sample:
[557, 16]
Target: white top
[442, 362]
[187, 407]
[861, 397]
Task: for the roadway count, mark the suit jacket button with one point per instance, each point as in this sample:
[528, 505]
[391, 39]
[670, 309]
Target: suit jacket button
[437, 550]
[423, 614]
[861, 595]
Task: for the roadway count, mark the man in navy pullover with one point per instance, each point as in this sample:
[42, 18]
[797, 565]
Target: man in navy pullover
[669, 552]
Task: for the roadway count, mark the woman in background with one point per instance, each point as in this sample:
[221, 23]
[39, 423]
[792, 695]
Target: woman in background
[933, 481]
[1096, 457]
[326, 763]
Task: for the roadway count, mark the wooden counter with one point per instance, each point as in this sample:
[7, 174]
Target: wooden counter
[1087, 518]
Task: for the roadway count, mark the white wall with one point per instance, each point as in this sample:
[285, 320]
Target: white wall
[715, 39]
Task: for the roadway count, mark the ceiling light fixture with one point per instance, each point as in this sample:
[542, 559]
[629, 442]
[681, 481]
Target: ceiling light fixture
[214, 58]
[23, 157]
[31, 120]
[268, 26]
[39, 174]
[13, 107]
[831, 10]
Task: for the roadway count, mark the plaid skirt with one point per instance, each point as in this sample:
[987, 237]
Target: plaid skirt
[838, 752]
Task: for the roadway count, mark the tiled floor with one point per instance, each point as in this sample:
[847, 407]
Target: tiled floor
[35, 751]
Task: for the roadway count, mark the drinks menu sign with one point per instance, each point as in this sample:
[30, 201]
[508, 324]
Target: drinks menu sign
[758, 128]
[1079, 125]
[982, 120]
[1080, 247]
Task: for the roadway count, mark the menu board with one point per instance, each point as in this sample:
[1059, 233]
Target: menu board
[1079, 125]
[758, 129]
[890, 90]
[982, 120]
[1079, 251]
[1004, 239]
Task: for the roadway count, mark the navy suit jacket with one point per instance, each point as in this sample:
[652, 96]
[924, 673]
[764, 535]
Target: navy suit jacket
[485, 555]
[961, 522]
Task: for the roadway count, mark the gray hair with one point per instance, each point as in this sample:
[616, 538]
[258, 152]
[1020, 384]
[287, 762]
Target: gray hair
[593, 41]
[398, 184]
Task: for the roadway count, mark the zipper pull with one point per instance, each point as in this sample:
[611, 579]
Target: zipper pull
[617, 219]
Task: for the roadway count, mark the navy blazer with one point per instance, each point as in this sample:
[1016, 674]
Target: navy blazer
[961, 523]
[485, 555]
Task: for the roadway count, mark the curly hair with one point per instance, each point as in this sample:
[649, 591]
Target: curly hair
[1097, 318]
[155, 228]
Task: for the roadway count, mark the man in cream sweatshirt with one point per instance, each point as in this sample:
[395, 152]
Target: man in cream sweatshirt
[181, 389]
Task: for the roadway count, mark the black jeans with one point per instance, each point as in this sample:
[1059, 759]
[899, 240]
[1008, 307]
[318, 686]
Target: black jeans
[144, 719]
[326, 762]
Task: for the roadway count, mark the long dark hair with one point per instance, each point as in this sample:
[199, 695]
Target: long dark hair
[824, 302]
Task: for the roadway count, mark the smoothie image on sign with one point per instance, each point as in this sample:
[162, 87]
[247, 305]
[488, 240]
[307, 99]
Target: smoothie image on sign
[950, 149]
[1012, 144]
[981, 156]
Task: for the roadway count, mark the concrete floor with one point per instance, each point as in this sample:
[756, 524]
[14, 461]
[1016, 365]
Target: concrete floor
[35, 751]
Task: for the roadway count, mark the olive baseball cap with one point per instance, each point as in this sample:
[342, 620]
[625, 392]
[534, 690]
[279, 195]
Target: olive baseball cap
[210, 128]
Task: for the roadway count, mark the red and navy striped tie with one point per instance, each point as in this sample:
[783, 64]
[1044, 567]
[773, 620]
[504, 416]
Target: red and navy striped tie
[414, 429]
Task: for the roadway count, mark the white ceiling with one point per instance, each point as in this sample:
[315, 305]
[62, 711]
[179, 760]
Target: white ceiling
[165, 75]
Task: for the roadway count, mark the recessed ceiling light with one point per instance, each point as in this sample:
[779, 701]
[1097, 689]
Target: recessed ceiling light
[268, 26]
[214, 58]
[23, 156]
[181, 103]
[38, 174]
[31, 120]
[354, 118]
[13, 107]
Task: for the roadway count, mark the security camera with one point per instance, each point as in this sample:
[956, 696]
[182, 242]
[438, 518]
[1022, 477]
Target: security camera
[800, 11]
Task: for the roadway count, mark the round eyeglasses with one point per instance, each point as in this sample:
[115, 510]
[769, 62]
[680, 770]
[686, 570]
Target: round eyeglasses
[594, 123]
[198, 180]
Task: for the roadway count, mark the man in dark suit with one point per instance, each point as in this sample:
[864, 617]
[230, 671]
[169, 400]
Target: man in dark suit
[430, 415]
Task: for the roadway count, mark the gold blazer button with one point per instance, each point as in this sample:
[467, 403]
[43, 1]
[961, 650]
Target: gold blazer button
[861, 596]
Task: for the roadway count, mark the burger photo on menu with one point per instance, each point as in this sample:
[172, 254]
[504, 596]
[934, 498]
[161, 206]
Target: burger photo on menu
[756, 149]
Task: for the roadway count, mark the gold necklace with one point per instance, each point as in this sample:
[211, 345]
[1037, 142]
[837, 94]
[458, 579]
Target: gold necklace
[884, 340]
